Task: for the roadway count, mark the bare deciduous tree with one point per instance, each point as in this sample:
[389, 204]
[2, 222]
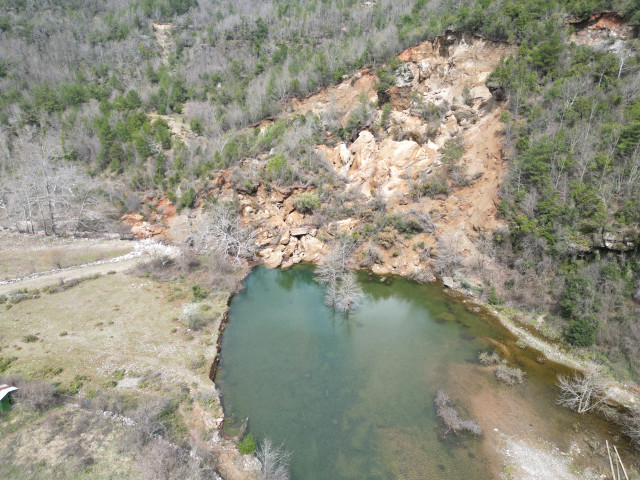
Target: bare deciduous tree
[163, 461]
[336, 272]
[451, 418]
[275, 461]
[447, 254]
[221, 231]
[336, 264]
[509, 375]
[44, 189]
[631, 426]
[159, 255]
[348, 294]
[34, 394]
[581, 393]
[424, 219]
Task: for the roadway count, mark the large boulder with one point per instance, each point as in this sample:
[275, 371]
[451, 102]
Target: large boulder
[496, 90]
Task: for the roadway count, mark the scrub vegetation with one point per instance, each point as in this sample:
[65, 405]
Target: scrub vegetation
[95, 108]
[107, 105]
[134, 355]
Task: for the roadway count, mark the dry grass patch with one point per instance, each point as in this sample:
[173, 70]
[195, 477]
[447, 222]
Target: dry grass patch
[66, 443]
[112, 324]
[22, 255]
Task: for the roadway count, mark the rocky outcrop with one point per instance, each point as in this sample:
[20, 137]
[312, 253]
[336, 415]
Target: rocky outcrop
[290, 246]
[601, 28]
[447, 75]
[496, 90]
[439, 96]
[616, 241]
[141, 228]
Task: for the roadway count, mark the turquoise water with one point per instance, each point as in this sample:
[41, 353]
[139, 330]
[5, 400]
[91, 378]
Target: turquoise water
[349, 398]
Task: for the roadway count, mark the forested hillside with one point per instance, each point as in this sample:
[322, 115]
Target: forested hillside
[100, 100]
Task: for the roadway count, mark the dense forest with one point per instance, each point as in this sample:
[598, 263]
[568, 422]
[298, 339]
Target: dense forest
[88, 88]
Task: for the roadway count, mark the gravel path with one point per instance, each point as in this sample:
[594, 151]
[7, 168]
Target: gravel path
[42, 279]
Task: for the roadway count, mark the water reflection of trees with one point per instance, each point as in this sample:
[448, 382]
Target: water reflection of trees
[300, 274]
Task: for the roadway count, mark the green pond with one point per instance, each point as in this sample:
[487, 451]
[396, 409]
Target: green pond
[352, 398]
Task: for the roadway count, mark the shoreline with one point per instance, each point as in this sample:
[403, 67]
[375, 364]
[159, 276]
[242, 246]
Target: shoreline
[617, 392]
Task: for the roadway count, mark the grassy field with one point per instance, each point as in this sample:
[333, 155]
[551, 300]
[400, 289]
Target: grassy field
[103, 327]
[117, 335]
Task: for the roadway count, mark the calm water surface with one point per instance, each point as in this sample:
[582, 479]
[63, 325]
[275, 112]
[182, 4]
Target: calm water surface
[350, 398]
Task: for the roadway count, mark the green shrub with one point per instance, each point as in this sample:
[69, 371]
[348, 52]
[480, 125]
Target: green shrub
[579, 297]
[466, 96]
[521, 343]
[198, 293]
[433, 187]
[452, 150]
[198, 363]
[306, 202]
[581, 332]
[276, 164]
[48, 372]
[187, 199]
[30, 338]
[386, 115]
[77, 383]
[494, 298]
[196, 126]
[5, 363]
[247, 445]
[385, 80]
[277, 169]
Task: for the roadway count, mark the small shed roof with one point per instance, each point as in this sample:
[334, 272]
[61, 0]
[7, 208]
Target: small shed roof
[5, 389]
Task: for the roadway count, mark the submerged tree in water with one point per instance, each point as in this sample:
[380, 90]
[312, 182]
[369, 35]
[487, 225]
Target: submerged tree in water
[451, 419]
[580, 392]
[343, 291]
[275, 461]
[349, 293]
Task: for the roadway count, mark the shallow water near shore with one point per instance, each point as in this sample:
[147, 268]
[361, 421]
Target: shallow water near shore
[352, 398]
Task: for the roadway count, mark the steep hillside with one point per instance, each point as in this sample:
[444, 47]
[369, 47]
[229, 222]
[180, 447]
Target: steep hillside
[393, 169]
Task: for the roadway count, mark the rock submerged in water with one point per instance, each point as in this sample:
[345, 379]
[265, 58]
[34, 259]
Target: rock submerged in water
[445, 317]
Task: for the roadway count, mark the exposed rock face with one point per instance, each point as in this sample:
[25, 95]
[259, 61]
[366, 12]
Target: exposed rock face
[616, 241]
[445, 79]
[449, 73]
[452, 62]
[143, 229]
[439, 95]
[294, 246]
[602, 28]
[496, 90]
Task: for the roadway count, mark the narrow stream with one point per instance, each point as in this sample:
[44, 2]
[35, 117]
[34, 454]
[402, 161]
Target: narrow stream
[352, 398]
